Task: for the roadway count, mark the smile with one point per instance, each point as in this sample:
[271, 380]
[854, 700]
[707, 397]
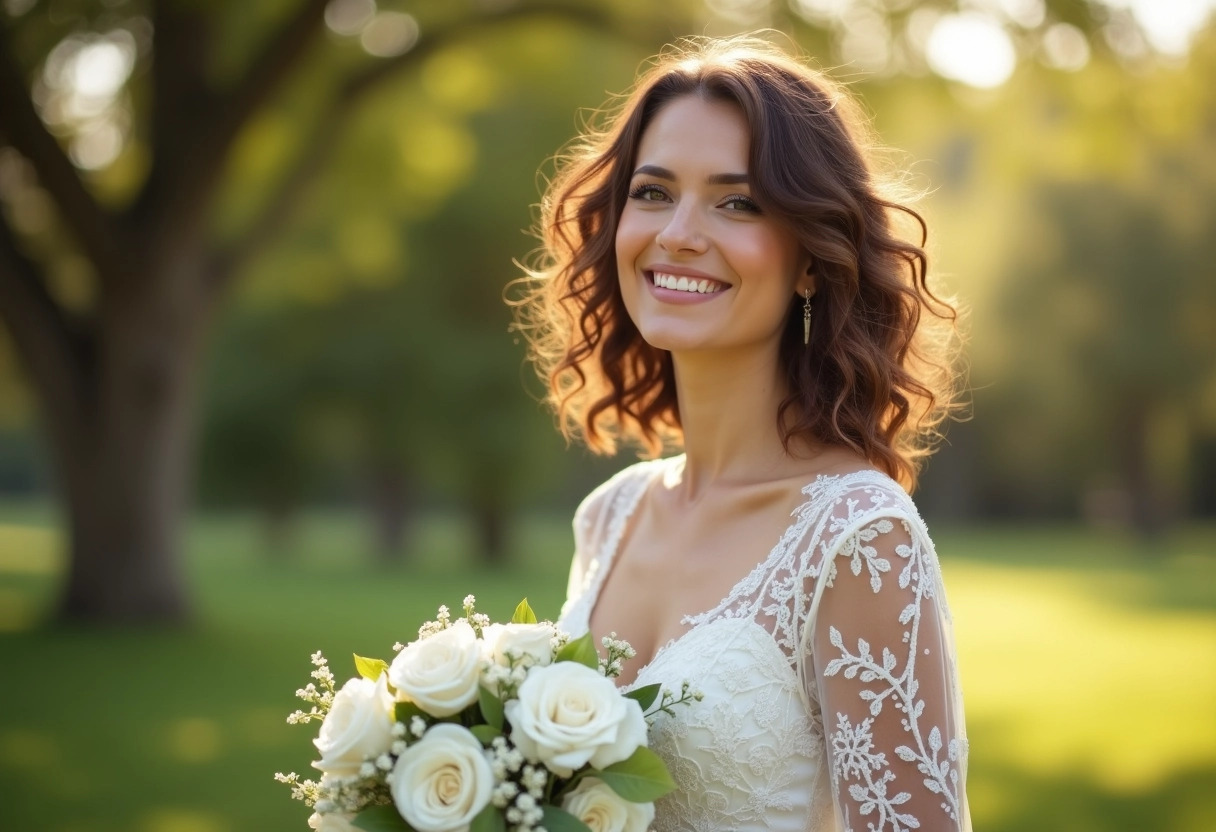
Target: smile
[680, 283]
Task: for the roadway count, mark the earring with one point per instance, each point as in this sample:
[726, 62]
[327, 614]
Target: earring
[806, 319]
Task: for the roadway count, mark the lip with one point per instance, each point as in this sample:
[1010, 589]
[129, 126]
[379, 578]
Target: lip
[681, 271]
[674, 296]
[678, 298]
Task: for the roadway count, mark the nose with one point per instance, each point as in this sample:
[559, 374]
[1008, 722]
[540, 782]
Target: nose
[682, 231]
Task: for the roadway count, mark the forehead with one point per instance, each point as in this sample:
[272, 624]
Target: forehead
[691, 132]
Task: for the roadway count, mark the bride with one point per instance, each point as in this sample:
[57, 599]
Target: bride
[723, 274]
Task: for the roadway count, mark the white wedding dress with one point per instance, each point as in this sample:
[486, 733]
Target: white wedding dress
[831, 700]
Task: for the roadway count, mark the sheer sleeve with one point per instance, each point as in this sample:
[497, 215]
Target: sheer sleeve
[591, 521]
[884, 681]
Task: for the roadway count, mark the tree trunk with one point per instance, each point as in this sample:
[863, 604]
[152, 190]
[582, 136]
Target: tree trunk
[125, 472]
[391, 507]
[1145, 503]
[491, 532]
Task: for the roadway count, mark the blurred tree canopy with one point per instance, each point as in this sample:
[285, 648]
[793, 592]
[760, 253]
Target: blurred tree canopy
[174, 140]
[343, 185]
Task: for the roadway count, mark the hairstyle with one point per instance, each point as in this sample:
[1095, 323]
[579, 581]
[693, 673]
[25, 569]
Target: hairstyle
[874, 377]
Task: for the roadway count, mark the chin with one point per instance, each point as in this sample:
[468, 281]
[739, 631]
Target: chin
[664, 338]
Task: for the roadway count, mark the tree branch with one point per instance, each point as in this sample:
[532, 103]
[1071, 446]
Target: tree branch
[50, 347]
[191, 148]
[93, 227]
[268, 71]
[324, 136]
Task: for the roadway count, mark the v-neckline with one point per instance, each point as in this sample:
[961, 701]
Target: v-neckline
[606, 558]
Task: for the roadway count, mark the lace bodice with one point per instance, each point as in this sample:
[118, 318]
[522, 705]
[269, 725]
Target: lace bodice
[831, 700]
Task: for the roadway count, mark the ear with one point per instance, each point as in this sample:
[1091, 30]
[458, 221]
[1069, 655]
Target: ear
[806, 279]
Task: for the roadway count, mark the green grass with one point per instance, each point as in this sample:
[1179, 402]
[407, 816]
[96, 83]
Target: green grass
[1088, 662]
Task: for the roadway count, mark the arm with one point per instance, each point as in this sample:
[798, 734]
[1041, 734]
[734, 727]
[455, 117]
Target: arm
[590, 520]
[885, 681]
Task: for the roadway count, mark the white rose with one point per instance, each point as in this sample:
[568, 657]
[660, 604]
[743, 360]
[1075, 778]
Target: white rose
[533, 640]
[442, 781]
[595, 803]
[331, 822]
[439, 673]
[568, 715]
[359, 725]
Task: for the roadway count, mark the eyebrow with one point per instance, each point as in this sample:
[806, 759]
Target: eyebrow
[715, 179]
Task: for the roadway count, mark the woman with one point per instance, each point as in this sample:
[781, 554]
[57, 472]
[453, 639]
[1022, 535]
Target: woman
[722, 274]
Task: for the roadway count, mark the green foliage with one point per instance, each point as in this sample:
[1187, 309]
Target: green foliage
[486, 734]
[370, 668]
[489, 819]
[645, 695]
[381, 819]
[581, 650]
[406, 711]
[641, 779]
[523, 614]
[491, 709]
[559, 820]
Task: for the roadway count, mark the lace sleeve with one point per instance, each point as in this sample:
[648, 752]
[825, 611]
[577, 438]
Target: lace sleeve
[591, 520]
[884, 680]
[588, 519]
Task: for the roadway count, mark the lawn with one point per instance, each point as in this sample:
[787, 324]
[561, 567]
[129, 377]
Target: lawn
[1088, 661]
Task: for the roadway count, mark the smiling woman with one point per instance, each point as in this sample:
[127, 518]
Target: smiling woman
[721, 274]
[701, 267]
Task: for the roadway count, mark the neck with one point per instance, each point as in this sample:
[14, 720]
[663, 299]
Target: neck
[728, 412]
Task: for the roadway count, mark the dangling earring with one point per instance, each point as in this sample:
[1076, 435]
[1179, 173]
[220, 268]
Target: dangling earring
[806, 318]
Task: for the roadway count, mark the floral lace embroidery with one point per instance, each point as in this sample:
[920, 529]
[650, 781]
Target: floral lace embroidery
[852, 746]
[754, 754]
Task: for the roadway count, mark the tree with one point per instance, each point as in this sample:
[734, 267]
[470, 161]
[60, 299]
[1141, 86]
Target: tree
[115, 365]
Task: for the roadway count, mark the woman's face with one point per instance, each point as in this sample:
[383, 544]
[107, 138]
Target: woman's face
[700, 266]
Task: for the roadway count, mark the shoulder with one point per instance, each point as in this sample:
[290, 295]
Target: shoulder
[612, 499]
[849, 504]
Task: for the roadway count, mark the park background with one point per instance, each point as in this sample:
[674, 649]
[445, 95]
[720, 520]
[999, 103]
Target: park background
[259, 395]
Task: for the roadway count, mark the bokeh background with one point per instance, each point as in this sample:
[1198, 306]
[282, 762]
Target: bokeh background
[259, 396]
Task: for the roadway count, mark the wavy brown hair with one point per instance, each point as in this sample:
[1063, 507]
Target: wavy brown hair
[876, 376]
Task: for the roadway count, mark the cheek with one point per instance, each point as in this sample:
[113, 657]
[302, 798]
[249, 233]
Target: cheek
[631, 238]
[772, 255]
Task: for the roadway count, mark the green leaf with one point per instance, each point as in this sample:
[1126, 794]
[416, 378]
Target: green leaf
[581, 650]
[489, 819]
[645, 695]
[523, 614]
[491, 707]
[405, 711]
[559, 820]
[370, 668]
[381, 819]
[641, 779]
[485, 734]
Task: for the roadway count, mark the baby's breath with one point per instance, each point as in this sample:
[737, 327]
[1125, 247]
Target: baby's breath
[668, 700]
[321, 699]
[618, 651]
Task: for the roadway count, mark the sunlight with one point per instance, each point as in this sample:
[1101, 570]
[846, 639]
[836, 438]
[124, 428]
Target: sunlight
[389, 34]
[82, 83]
[1169, 25]
[182, 820]
[973, 48]
[1065, 47]
[348, 17]
[194, 740]
[1073, 684]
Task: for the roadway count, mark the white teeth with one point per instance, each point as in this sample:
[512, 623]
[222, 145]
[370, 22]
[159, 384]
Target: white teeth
[684, 284]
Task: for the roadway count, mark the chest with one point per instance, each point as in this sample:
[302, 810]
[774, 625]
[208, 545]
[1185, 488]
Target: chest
[671, 567]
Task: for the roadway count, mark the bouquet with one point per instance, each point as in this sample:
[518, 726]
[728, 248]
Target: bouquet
[488, 728]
